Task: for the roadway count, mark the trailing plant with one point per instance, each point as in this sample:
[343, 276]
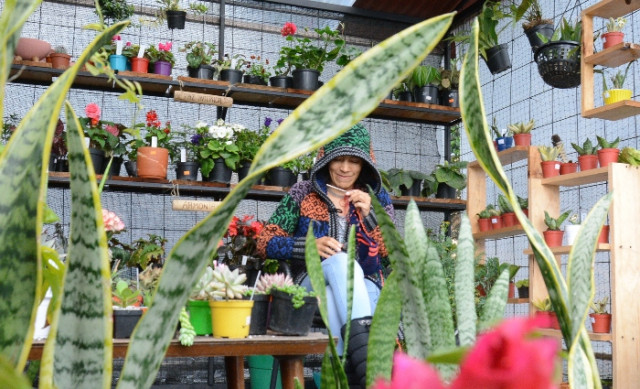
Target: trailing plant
[187, 332]
[548, 153]
[600, 306]
[605, 144]
[554, 224]
[521, 127]
[587, 148]
[297, 292]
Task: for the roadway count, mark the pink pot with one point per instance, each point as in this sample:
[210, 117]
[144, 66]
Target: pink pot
[612, 38]
[30, 49]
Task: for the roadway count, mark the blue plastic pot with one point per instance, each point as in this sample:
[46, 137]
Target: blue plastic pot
[118, 62]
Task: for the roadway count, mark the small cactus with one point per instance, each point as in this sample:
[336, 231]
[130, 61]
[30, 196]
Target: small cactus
[60, 50]
[226, 284]
[268, 281]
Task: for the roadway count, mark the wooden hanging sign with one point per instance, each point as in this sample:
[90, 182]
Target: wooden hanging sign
[201, 98]
[195, 205]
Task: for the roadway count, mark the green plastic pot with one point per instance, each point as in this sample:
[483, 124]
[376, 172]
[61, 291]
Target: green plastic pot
[200, 316]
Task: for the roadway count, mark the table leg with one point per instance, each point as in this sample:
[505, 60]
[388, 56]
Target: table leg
[234, 367]
[291, 367]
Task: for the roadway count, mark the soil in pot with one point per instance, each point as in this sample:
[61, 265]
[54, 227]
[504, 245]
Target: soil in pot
[204, 72]
[607, 156]
[230, 319]
[125, 321]
[553, 237]
[550, 168]
[187, 171]
[200, 316]
[588, 162]
[568, 167]
[288, 320]
[152, 162]
[232, 75]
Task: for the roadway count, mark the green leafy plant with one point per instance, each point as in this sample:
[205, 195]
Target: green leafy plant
[566, 32]
[216, 141]
[115, 10]
[523, 202]
[297, 292]
[605, 144]
[543, 305]
[524, 283]
[587, 148]
[615, 25]
[405, 85]
[600, 306]
[554, 224]
[161, 53]
[125, 295]
[348, 54]
[450, 77]
[395, 178]
[147, 251]
[449, 173]
[424, 75]
[199, 53]
[533, 14]
[504, 204]
[521, 127]
[305, 53]
[548, 153]
[249, 141]
[235, 62]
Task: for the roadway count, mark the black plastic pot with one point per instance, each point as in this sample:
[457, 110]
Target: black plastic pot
[97, 159]
[559, 63]
[414, 191]
[498, 59]
[405, 96]
[115, 167]
[187, 171]
[288, 320]
[259, 314]
[426, 94]
[232, 75]
[176, 19]
[132, 168]
[124, 321]
[445, 192]
[219, 173]
[203, 71]
[279, 176]
[58, 163]
[523, 292]
[450, 98]
[281, 81]
[545, 30]
[251, 79]
[243, 169]
[305, 79]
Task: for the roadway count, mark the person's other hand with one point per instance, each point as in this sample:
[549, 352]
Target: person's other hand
[328, 246]
[361, 200]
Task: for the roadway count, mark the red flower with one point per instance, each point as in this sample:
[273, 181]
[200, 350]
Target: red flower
[92, 110]
[152, 119]
[288, 29]
[113, 130]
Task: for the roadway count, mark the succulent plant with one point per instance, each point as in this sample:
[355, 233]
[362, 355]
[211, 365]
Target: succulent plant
[199, 291]
[522, 127]
[226, 284]
[268, 281]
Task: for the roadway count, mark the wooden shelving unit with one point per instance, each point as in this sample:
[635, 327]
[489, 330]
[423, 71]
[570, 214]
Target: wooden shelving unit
[564, 250]
[592, 335]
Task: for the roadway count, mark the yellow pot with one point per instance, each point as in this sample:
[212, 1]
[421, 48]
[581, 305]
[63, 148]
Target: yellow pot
[614, 95]
[231, 319]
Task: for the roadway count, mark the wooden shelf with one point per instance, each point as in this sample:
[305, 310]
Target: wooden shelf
[504, 232]
[508, 156]
[566, 249]
[615, 56]
[615, 111]
[586, 177]
[612, 8]
[257, 95]
[592, 335]
[518, 301]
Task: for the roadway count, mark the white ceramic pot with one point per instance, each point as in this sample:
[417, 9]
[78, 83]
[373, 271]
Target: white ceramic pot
[570, 232]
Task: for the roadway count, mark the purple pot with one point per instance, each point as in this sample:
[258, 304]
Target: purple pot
[162, 67]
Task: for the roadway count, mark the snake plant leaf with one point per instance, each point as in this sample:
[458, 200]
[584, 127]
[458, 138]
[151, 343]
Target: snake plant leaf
[23, 182]
[416, 239]
[463, 287]
[351, 248]
[81, 333]
[346, 99]
[493, 309]
[10, 378]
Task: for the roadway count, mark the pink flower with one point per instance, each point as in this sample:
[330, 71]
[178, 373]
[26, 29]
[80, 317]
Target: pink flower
[165, 46]
[288, 29]
[116, 38]
[112, 130]
[128, 44]
[92, 110]
[410, 373]
[111, 221]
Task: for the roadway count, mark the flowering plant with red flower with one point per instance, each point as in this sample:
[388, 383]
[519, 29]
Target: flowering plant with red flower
[240, 240]
[161, 53]
[255, 67]
[155, 128]
[103, 135]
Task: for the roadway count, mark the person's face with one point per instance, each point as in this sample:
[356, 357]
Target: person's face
[344, 171]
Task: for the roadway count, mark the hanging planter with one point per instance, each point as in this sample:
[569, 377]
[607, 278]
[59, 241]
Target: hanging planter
[559, 63]
[176, 19]
[498, 59]
[544, 29]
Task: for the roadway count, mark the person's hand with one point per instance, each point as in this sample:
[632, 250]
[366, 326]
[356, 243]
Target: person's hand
[328, 246]
[361, 200]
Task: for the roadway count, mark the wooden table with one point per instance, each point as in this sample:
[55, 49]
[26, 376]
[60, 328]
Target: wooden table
[288, 350]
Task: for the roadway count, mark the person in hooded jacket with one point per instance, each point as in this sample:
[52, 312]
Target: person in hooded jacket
[335, 197]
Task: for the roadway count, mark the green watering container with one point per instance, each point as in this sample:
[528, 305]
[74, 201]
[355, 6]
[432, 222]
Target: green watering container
[200, 316]
[260, 368]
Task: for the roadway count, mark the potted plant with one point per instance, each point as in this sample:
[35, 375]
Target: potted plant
[58, 161]
[587, 158]
[186, 167]
[558, 58]
[153, 158]
[600, 318]
[553, 235]
[536, 24]
[506, 210]
[229, 68]
[425, 80]
[216, 151]
[550, 164]
[105, 138]
[445, 179]
[522, 132]
[486, 274]
[239, 247]
[307, 57]
[617, 92]
[200, 56]
[502, 141]
[171, 11]
[292, 310]
[495, 218]
[249, 142]
[230, 312]
[256, 72]
[138, 57]
[495, 55]
[608, 151]
[523, 288]
[404, 90]
[60, 59]
[568, 166]
[543, 308]
[484, 218]
[404, 182]
[115, 53]
[524, 204]
[262, 297]
[126, 310]
[449, 81]
[162, 58]
[571, 229]
[115, 10]
[614, 34]
[198, 303]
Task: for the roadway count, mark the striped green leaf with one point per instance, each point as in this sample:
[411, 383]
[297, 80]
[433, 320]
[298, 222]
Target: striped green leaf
[351, 248]
[438, 307]
[464, 281]
[23, 182]
[384, 329]
[346, 99]
[493, 309]
[415, 239]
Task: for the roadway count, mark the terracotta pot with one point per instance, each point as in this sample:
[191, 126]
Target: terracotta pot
[553, 237]
[30, 49]
[550, 168]
[568, 167]
[587, 162]
[604, 235]
[612, 39]
[140, 65]
[522, 139]
[484, 224]
[509, 219]
[555, 324]
[549, 318]
[152, 162]
[525, 211]
[607, 156]
[496, 222]
[512, 290]
[60, 60]
[600, 322]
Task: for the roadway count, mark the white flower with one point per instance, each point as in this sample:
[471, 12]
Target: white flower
[229, 142]
[201, 124]
[220, 122]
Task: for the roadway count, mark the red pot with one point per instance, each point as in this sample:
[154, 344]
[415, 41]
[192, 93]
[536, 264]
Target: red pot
[509, 219]
[550, 168]
[496, 222]
[612, 38]
[588, 162]
[140, 65]
[484, 224]
[522, 139]
[600, 322]
[60, 60]
[553, 238]
[569, 167]
[152, 162]
[604, 235]
[607, 156]
[551, 320]
[512, 290]
[526, 211]
[481, 290]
